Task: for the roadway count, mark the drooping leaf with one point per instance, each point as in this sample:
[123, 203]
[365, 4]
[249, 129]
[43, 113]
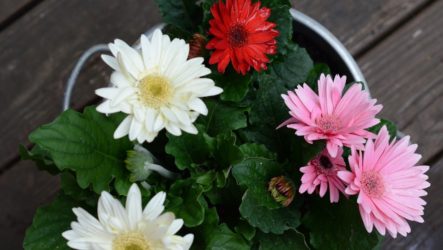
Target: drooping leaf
[290, 240]
[223, 118]
[337, 226]
[181, 13]
[269, 220]
[84, 143]
[294, 68]
[48, 225]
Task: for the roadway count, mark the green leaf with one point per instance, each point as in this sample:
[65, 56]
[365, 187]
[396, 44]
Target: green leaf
[206, 6]
[315, 74]
[223, 118]
[269, 220]
[290, 240]
[245, 229]
[48, 225]
[250, 150]
[235, 86]
[294, 68]
[339, 226]
[181, 13]
[267, 112]
[186, 202]
[174, 31]
[204, 232]
[223, 238]
[392, 128]
[276, 3]
[122, 186]
[84, 143]
[254, 172]
[70, 188]
[228, 195]
[226, 152]
[40, 157]
[281, 16]
[189, 150]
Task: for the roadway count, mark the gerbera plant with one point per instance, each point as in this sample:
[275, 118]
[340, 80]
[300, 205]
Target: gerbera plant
[220, 132]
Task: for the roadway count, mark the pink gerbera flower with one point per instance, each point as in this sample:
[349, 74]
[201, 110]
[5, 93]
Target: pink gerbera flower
[321, 172]
[388, 183]
[337, 117]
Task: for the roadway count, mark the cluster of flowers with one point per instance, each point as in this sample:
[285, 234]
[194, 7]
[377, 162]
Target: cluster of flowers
[383, 174]
[160, 86]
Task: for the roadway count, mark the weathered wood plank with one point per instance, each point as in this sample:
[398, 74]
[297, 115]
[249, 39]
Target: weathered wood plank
[39, 51]
[8, 9]
[359, 23]
[23, 189]
[404, 73]
[426, 235]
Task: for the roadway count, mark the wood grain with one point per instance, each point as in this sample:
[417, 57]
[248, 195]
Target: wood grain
[10, 8]
[22, 189]
[38, 53]
[429, 234]
[359, 23]
[405, 73]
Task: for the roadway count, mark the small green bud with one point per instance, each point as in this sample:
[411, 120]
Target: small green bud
[140, 162]
[282, 190]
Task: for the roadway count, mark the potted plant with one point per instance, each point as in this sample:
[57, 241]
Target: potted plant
[220, 131]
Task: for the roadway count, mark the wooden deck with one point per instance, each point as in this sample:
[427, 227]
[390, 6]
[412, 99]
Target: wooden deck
[398, 44]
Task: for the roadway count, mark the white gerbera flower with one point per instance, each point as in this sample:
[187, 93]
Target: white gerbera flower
[157, 86]
[118, 228]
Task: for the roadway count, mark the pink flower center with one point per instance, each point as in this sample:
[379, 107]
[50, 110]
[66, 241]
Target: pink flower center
[237, 36]
[325, 162]
[323, 165]
[372, 184]
[329, 123]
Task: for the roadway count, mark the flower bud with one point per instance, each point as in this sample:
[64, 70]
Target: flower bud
[282, 190]
[197, 46]
[140, 162]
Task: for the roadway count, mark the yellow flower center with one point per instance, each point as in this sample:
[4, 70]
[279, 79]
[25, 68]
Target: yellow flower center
[155, 91]
[372, 184]
[131, 241]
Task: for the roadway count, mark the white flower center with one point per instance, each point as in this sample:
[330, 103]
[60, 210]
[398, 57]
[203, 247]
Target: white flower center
[131, 241]
[154, 91]
[372, 184]
[329, 123]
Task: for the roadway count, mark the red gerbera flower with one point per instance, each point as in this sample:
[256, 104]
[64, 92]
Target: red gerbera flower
[242, 35]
